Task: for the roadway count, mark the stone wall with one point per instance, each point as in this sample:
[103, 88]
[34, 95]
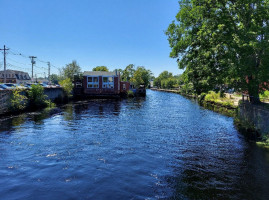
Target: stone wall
[54, 94]
[5, 96]
[256, 116]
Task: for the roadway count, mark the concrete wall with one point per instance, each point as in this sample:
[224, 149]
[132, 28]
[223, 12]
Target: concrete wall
[5, 96]
[255, 115]
[54, 94]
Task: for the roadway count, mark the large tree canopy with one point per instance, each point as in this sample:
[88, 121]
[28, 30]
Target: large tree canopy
[70, 70]
[222, 42]
[100, 68]
[128, 72]
[141, 76]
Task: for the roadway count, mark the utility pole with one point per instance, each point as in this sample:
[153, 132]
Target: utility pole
[49, 72]
[33, 62]
[5, 65]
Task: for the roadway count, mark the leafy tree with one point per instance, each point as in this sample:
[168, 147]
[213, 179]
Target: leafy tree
[161, 80]
[70, 70]
[222, 42]
[128, 73]
[100, 68]
[141, 77]
[54, 79]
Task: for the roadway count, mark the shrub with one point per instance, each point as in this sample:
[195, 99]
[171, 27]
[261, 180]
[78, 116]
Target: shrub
[202, 97]
[130, 93]
[187, 88]
[212, 96]
[18, 101]
[264, 95]
[36, 96]
[67, 86]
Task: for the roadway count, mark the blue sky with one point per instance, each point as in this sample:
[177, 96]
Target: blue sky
[113, 33]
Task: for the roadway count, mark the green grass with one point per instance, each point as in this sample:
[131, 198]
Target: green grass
[216, 97]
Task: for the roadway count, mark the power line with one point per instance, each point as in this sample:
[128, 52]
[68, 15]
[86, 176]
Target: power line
[33, 61]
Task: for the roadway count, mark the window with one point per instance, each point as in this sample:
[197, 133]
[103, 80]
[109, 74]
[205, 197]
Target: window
[124, 86]
[93, 82]
[108, 82]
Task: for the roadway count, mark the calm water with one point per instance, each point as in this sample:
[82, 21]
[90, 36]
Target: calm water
[161, 147]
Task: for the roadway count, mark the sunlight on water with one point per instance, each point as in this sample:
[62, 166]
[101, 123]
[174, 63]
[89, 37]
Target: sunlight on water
[159, 147]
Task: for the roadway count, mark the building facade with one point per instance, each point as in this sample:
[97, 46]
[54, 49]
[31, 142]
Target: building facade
[13, 76]
[101, 83]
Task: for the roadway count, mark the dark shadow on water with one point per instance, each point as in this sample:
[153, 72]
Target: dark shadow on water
[206, 176]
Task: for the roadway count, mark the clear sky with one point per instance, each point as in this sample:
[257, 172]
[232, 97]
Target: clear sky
[113, 33]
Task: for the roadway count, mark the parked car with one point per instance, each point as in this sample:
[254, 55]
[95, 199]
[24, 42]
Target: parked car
[8, 86]
[29, 85]
[44, 85]
[1, 87]
[20, 86]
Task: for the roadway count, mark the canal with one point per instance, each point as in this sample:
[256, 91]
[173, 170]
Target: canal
[163, 146]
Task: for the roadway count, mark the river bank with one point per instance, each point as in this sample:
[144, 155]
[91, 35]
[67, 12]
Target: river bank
[250, 120]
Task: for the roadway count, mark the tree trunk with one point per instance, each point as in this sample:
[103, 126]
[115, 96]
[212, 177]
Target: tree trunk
[253, 90]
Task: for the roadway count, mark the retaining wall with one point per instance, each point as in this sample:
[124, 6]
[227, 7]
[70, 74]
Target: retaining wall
[54, 94]
[5, 96]
[256, 116]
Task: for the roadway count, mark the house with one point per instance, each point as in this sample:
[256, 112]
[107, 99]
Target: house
[100, 83]
[13, 76]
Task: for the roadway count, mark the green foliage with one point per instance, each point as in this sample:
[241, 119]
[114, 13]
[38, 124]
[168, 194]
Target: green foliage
[218, 98]
[202, 97]
[54, 78]
[18, 100]
[212, 96]
[36, 96]
[187, 88]
[50, 104]
[141, 77]
[67, 86]
[222, 42]
[130, 93]
[128, 73]
[164, 80]
[70, 70]
[265, 94]
[100, 68]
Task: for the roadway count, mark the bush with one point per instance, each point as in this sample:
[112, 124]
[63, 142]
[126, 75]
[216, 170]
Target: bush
[18, 100]
[187, 88]
[202, 97]
[130, 93]
[36, 96]
[212, 96]
[264, 95]
[67, 86]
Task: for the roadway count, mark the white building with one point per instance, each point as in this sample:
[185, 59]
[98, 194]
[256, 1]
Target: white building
[13, 76]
